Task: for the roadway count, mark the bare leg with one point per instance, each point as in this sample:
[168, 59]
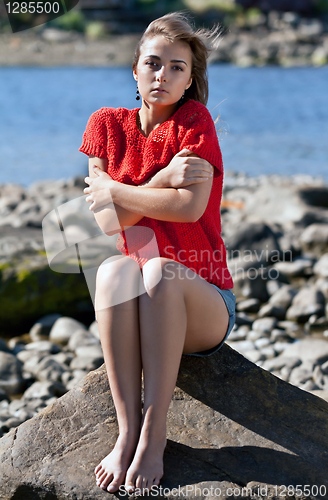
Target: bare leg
[119, 334]
[182, 313]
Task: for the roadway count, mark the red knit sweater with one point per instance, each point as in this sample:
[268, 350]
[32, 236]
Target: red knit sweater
[132, 158]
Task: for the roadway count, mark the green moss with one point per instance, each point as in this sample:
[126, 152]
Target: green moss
[27, 294]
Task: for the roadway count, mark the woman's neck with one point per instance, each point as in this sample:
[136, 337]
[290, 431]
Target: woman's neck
[151, 117]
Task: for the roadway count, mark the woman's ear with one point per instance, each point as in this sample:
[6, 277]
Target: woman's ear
[189, 83]
[135, 76]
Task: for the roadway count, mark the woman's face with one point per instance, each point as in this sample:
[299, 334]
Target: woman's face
[163, 71]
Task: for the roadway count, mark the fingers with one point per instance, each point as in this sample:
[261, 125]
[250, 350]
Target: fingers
[184, 152]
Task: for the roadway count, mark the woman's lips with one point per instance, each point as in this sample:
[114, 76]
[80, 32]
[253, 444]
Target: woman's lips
[160, 90]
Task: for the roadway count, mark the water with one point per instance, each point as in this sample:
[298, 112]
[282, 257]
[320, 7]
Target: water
[272, 120]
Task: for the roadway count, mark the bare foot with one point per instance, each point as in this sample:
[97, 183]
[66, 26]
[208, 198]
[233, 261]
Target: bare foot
[146, 469]
[111, 471]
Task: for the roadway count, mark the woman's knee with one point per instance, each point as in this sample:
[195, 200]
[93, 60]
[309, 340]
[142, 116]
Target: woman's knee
[118, 275]
[161, 276]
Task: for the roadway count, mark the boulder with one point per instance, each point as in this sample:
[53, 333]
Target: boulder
[315, 238]
[321, 267]
[11, 379]
[308, 301]
[230, 425]
[64, 328]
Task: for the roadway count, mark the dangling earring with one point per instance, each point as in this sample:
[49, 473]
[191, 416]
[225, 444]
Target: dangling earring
[182, 97]
[138, 95]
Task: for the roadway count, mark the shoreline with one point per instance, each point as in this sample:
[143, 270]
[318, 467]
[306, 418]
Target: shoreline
[283, 39]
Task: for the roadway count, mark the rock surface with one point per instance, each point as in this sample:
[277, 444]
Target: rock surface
[233, 425]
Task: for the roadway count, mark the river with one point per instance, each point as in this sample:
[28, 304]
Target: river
[272, 119]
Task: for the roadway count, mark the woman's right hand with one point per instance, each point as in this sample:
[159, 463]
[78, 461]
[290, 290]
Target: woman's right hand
[185, 169]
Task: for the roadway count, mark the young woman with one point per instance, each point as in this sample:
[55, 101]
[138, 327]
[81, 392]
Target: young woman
[158, 169]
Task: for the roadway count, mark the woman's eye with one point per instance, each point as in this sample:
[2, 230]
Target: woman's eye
[177, 68]
[151, 63]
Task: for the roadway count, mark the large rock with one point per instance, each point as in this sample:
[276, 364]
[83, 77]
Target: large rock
[230, 425]
[308, 301]
[11, 379]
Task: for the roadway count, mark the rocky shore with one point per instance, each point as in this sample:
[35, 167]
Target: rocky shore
[276, 234]
[281, 38]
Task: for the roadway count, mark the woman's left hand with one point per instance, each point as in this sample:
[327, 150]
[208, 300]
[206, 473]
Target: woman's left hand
[99, 189]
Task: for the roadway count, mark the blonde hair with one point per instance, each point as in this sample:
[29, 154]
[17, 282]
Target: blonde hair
[176, 26]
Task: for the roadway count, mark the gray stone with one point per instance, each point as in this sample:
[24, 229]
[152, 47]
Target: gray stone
[86, 363]
[82, 338]
[44, 390]
[31, 364]
[11, 380]
[321, 267]
[315, 238]
[253, 237]
[42, 327]
[278, 312]
[239, 334]
[268, 352]
[93, 351]
[64, 328]
[321, 284]
[277, 334]
[292, 328]
[3, 396]
[258, 430]
[281, 361]
[243, 319]
[314, 350]
[254, 355]
[298, 268]
[262, 342]
[308, 301]
[63, 358]
[249, 305]
[43, 346]
[49, 370]
[280, 347]
[93, 328]
[249, 280]
[300, 375]
[265, 325]
[241, 346]
[283, 296]
[256, 334]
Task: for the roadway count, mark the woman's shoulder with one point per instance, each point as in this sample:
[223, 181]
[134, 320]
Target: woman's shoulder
[107, 113]
[192, 112]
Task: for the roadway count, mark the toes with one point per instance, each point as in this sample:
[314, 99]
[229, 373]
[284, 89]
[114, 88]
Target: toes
[156, 481]
[101, 476]
[105, 481]
[98, 468]
[115, 484]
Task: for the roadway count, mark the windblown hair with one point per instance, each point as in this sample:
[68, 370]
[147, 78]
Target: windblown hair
[176, 26]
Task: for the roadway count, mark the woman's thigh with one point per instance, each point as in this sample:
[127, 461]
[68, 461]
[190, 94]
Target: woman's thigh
[207, 313]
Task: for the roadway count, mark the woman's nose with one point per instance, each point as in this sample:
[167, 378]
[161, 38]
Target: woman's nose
[161, 75]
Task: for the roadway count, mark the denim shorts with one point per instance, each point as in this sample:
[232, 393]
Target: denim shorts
[230, 301]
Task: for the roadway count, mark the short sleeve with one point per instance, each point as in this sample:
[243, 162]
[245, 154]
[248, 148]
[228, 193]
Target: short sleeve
[200, 136]
[94, 141]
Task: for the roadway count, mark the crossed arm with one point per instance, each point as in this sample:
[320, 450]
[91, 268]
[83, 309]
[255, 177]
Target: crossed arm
[177, 193]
